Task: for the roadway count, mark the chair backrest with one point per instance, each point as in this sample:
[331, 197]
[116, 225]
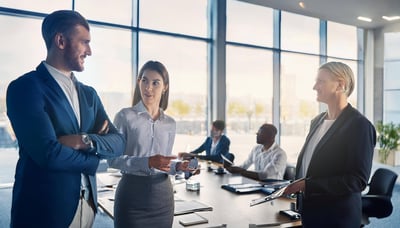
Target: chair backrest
[290, 173]
[382, 182]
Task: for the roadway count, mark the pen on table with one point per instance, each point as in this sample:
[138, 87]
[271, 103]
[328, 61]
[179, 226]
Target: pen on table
[218, 226]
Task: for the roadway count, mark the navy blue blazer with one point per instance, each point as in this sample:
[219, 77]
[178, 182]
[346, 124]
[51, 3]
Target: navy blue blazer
[338, 171]
[222, 148]
[48, 175]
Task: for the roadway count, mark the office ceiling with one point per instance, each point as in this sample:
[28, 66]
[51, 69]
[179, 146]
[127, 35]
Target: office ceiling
[341, 11]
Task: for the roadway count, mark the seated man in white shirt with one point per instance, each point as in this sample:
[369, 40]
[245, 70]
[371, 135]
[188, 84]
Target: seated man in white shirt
[268, 158]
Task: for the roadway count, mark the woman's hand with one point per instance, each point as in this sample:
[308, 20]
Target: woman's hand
[186, 156]
[295, 187]
[161, 162]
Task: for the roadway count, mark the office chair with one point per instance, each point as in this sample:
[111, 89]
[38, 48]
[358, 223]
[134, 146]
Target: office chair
[377, 201]
[290, 173]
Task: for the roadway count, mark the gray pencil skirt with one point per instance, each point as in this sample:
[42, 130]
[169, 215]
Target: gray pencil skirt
[144, 201]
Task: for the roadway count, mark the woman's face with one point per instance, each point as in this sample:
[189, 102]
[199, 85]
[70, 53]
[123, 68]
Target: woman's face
[151, 87]
[327, 87]
[215, 132]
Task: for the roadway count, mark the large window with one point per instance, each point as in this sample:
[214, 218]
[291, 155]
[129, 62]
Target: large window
[342, 40]
[298, 100]
[177, 16]
[249, 85]
[391, 84]
[248, 23]
[299, 33]
[109, 11]
[249, 96]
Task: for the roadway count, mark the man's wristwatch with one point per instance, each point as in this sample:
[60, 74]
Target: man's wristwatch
[87, 140]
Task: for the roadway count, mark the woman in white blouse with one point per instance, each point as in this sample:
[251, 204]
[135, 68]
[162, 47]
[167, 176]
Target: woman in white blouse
[144, 196]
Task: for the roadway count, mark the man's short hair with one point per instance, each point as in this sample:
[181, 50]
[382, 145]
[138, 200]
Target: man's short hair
[219, 124]
[270, 129]
[61, 21]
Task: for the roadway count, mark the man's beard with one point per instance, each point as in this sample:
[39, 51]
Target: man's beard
[72, 60]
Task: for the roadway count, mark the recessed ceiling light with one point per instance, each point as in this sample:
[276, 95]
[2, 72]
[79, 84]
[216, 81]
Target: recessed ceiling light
[364, 19]
[391, 18]
[302, 5]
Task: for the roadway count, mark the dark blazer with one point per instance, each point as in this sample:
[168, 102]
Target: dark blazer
[48, 175]
[222, 148]
[338, 171]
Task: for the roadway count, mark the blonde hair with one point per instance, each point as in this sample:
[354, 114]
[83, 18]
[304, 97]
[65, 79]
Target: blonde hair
[343, 72]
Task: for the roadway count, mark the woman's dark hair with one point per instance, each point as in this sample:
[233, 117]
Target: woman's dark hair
[219, 124]
[61, 21]
[162, 70]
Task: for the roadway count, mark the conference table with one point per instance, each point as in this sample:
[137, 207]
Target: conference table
[228, 209]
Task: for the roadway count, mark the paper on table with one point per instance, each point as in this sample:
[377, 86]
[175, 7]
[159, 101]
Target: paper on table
[191, 219]
[184, 207]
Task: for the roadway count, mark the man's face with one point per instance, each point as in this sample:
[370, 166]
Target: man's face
[77, 48]
[262, 136]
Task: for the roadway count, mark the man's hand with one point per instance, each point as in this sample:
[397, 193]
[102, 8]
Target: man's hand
[234, 169]
[161, 162]
[73, 141]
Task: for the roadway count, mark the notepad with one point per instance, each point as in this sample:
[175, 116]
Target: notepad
[191, 219]
[242, 188]
[185, 207]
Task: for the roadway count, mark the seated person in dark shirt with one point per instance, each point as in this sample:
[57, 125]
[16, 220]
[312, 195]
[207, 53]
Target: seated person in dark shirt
[214, 145]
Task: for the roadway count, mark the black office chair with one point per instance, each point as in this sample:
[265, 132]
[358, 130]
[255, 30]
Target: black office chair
[290, 173]
[377, 202]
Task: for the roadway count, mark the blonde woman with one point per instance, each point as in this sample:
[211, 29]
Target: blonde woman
[336, 158]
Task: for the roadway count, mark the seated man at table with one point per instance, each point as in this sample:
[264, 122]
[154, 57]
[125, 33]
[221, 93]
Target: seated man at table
[268, 158]
[214, 145]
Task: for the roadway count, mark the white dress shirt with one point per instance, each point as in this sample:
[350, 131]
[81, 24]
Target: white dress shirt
[144, 138]
[269, 164]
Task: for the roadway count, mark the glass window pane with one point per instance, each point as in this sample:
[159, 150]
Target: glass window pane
[299, 33]
[178, 16]
[42, 6]
[108, 70]
[15, 62]
[391, 106]
[298, 100]
[342, 40]
[249, 23]
[392, 46]
[249, 96]
[118, 12]
[186, 62]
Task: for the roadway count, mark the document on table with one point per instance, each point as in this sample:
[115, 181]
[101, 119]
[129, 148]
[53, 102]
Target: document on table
[185, 207]
[191, 219]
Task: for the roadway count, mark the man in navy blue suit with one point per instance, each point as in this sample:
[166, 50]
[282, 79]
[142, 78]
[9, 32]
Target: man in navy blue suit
[62, 130]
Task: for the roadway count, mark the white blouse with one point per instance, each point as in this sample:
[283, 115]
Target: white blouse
[144, 138]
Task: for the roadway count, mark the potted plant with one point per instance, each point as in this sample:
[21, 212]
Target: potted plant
[388, 139]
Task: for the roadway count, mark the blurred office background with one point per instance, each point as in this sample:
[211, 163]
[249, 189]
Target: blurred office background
[247, 62]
